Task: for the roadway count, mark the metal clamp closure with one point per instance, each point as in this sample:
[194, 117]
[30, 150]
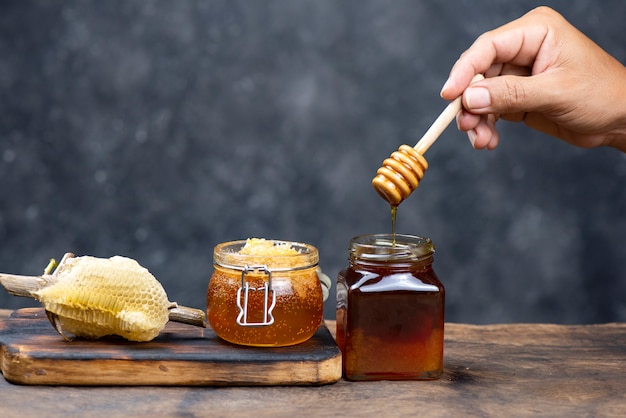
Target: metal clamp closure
[268, 318]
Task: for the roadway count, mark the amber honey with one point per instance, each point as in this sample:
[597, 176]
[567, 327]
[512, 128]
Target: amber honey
[298, 309]
[390, 310]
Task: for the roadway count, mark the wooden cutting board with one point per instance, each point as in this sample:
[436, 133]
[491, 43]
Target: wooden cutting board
[34, 354]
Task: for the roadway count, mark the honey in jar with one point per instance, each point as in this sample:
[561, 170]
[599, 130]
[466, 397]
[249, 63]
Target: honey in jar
[265, 292]
[390, 310]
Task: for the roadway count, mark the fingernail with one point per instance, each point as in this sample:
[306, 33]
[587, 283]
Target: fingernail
[445, 86]
[471, 134]
[477, 97]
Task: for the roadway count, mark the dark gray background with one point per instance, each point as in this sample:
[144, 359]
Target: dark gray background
[158, 129]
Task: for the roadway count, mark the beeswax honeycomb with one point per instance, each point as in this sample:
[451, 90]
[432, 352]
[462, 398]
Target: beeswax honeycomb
[94, 297]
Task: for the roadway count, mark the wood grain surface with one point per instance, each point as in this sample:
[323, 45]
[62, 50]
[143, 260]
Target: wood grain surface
[33, 353]
[509, 370]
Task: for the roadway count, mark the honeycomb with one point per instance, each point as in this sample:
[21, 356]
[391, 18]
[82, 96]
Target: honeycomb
[268, 248]
[94, 297]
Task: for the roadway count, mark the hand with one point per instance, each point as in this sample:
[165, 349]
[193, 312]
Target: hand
[541, 70]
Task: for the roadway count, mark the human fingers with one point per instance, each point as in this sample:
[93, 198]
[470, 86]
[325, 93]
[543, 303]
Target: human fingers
[466, 121]
[514, 95]
[481, 129]
[520, 43]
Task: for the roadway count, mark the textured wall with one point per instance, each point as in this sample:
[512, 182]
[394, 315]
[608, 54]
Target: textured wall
[157, 129]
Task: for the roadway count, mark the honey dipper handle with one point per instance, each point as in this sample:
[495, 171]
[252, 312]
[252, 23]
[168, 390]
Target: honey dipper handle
[441, 123]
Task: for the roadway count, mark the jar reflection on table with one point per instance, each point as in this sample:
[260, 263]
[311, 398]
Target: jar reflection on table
[298, 309]
[390, 310]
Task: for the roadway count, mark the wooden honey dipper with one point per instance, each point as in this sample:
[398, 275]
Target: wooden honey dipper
[401, 173]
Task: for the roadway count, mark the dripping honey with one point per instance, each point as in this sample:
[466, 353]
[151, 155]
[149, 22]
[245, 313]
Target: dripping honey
[394, 212]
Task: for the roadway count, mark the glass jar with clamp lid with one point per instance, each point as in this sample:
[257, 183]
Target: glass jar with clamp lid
[265, 292]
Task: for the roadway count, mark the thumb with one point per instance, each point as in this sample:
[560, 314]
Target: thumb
[507, 94]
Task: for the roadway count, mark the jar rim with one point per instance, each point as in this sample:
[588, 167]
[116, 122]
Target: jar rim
[391, 247]
[226, 254]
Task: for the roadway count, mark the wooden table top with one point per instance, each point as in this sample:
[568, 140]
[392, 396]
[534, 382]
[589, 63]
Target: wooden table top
[490, 370]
